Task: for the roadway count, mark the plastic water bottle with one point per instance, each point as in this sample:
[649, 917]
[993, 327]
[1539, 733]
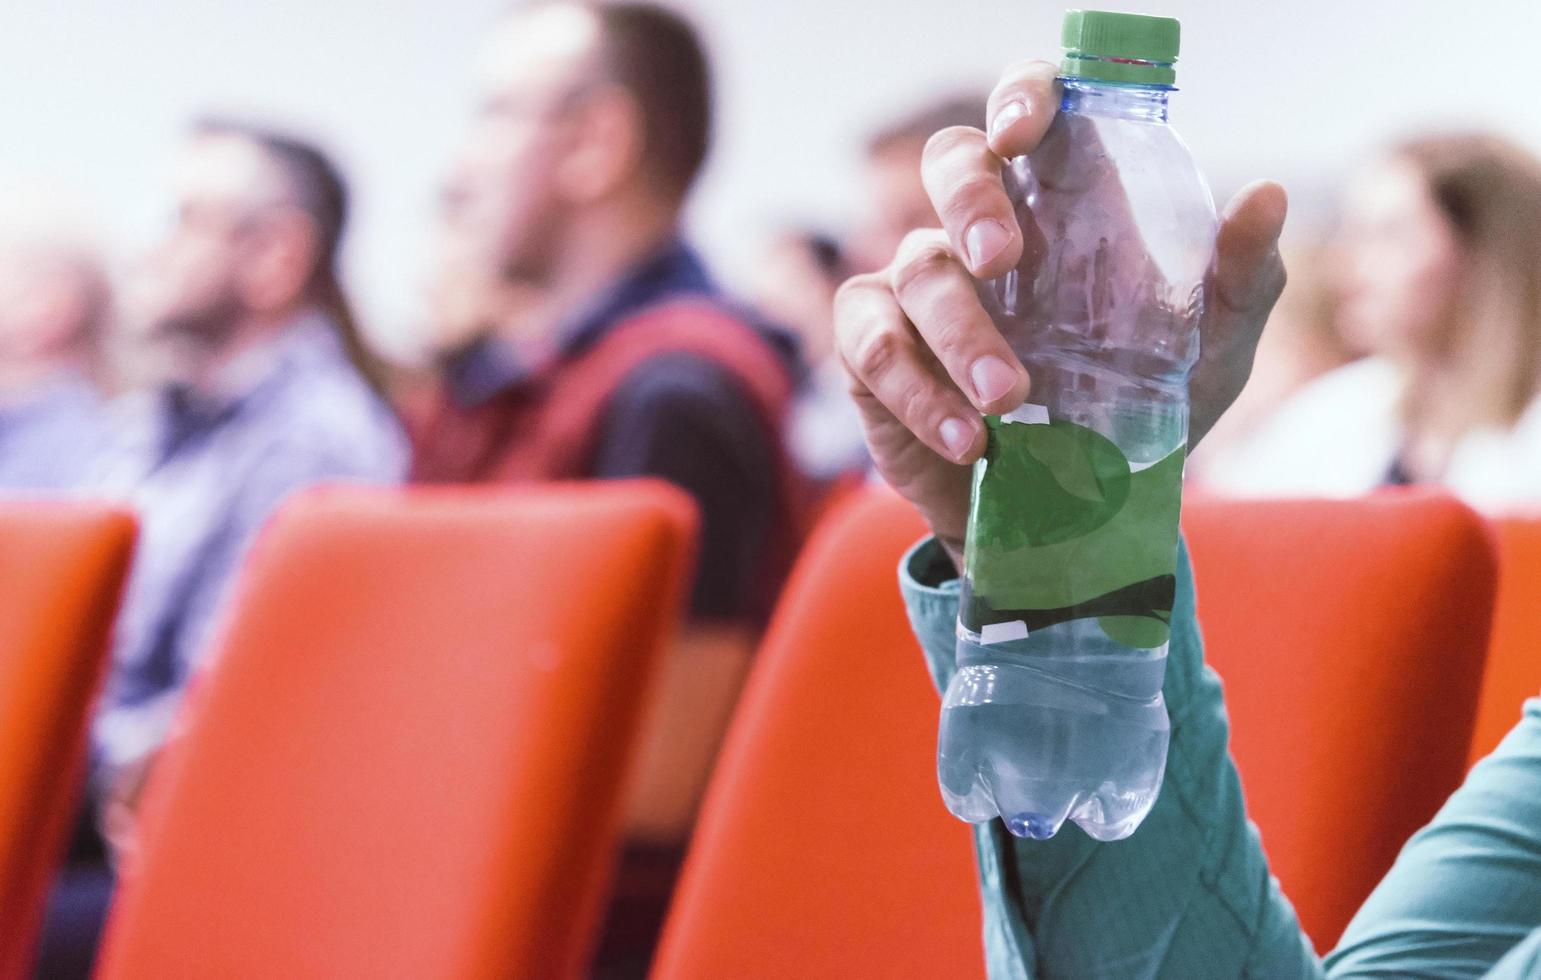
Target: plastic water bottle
[1056, 711]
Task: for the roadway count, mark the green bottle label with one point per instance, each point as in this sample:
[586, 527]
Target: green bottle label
[1061, 528]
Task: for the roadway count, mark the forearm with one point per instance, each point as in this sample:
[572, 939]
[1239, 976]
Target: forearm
[1188, 895]
[1466, 889]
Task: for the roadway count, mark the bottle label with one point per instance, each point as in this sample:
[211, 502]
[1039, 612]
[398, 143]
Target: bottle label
[1062, 527]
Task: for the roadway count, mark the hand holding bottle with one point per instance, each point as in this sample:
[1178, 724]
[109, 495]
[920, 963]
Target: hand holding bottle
[923, 356]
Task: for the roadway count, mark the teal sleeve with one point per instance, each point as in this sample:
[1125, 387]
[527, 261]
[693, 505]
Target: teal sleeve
[929, 581]
[1523, 962]
[1187, 896]
[1465, 893]
[930, 585]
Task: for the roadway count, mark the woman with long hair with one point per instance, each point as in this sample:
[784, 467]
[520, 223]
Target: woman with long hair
[1438, 276]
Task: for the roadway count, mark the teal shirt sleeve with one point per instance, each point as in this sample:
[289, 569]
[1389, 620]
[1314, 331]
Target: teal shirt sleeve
[1465, 893]
[1189, 895]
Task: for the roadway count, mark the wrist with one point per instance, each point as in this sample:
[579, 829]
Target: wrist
[953, 549]
[929, 566]
[948, 529]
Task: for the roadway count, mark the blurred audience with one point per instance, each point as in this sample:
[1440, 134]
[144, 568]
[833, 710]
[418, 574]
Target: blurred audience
[272, 391]
[576, 334]
[799, 273]
[54, 305]
[468, 297]
[1301, 342]
[622, 360]
[1439, 278]
[897, 202]
[794, 284]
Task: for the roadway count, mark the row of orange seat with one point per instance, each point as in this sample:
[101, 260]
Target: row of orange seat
[410, 757]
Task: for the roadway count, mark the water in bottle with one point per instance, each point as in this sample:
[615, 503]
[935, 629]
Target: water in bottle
[1056, 711]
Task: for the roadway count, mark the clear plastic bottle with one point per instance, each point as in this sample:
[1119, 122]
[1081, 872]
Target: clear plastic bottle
[1056, 711]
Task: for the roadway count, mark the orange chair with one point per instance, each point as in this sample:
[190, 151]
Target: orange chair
[409, 758]
[1513, 671]
[833, 745]
[1350, 635]
[62, 568]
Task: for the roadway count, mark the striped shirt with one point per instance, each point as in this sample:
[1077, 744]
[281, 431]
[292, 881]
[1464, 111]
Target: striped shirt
[205, 469]
[50, 437]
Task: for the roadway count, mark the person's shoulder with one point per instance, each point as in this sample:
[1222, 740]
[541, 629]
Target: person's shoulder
[1334, 436]
[701, 348]
[1355, 401]
[1370, 382]
[739, 329]
[681, 404]
[1528, 429]
[333, 422]
[682, 385]
[1498, 470]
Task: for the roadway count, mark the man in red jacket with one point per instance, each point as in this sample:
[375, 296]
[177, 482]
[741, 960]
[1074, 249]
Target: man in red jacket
[622, 358]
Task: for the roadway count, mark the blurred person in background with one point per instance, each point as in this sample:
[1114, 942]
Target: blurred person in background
[626, 361]
[273, 392]
[897, 202]
[470, 302]
[467, 304]
[794, 283]
[1301, 342]
[54, 305]
[1439, 278]
[800, 276]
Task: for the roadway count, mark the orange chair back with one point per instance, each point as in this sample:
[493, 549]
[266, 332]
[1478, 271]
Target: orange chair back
[62, 569]
[1350, 636]
[1513, 671]
[410, 756]
[823, 848]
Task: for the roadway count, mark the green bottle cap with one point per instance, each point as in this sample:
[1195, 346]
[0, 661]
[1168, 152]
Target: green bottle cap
[1129, 48]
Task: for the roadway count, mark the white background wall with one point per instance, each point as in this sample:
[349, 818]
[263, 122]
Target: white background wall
[96, 91]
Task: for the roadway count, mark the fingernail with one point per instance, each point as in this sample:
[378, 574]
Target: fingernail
[1008, 114]
[956, 436]
[984, 240]
[993, 377]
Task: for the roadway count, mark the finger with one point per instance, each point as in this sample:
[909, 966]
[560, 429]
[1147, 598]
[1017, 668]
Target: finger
[885, 362]
[1248, 271]
[938, 297]
[963, 179]
[1246, 281]
[1021, 107]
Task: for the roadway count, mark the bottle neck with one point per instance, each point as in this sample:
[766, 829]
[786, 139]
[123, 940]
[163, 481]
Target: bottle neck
[1146, 103]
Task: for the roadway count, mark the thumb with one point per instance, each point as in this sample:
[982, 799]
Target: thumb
[1248, 273]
